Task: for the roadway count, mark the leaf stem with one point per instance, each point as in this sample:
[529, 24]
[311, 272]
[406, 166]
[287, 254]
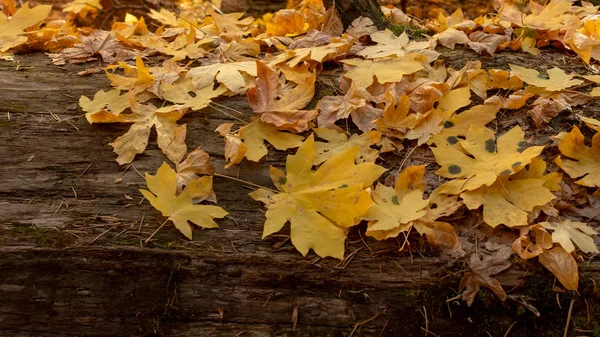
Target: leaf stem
[244, 181]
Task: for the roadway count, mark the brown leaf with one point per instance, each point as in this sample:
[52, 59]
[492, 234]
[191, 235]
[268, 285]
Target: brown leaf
[488, 42]
[100, 43]
[282, 108]
[472, 281]
[544, 110]
[333, 23]
[558, 261]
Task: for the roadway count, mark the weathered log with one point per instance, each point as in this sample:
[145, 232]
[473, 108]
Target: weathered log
[73, 259]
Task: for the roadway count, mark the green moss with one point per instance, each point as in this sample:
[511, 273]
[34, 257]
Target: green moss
[44, 237]
[397, 29]
[321, 90]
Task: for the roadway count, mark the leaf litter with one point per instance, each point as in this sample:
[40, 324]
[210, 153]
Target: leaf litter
[395, 92]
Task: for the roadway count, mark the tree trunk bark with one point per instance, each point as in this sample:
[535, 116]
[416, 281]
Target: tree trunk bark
[349, 10]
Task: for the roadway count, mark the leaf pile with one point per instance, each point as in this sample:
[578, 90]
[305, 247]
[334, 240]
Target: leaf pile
[393, 93]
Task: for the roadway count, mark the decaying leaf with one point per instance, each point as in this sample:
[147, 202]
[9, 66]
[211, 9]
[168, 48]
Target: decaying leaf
[483, 267]
[180, 208]
[320, 205]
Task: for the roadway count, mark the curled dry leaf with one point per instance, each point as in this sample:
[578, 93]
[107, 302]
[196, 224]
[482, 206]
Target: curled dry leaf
[580, 162]
[180, 208]
[196, 164]
[533, 241]
[320, 205]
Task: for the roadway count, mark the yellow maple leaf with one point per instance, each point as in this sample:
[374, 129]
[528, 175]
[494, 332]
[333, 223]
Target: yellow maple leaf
[338, 142]
[181, 208]
[12, 30]
[396, 208]
[253, 136]
[567, 232]
[320, 205]
[458, 125]
[83, 8]
[364, 72]
[170, 135]
[287, 22]
[585, 161]
[104, 105]
[490, 158]
[182, 92]
[550, 16]
[231, 23]
[501, 79]
[135, 80]
[557, 79]
[508, 201]
[228, 74]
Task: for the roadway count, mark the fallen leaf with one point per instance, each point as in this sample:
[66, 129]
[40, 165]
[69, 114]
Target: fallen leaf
[338, 142]
[254, 135]
[557, 79]
[533, 241]
[12, 30]
[558, 261]
[491, 158]
[320, 205]
[580, 161]
[228, 74]
[396, 208]
[567, 232]
[439, 233]
[179, 208]
[363, 72]
[281, 109]
[196, 164]
[170, 135]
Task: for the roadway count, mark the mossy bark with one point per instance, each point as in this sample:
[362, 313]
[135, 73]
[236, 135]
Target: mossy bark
[349, 10]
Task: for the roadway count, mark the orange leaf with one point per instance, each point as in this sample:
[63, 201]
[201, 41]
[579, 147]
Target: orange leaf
[558, 261]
